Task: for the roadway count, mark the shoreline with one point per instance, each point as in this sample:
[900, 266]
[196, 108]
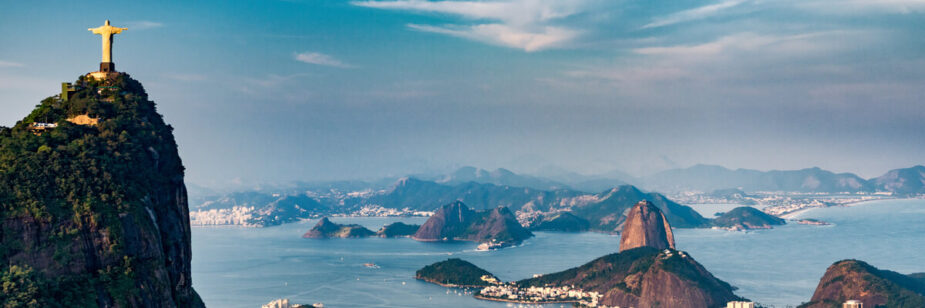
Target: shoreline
[450, 285]
[495, 299]
[792, 215]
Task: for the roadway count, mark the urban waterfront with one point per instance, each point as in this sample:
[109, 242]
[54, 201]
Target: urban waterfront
[247, 267]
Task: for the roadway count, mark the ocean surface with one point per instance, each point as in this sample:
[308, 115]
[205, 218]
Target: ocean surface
[248, 267]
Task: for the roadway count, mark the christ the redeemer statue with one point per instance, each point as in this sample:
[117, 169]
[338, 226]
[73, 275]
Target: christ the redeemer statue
[107, 31]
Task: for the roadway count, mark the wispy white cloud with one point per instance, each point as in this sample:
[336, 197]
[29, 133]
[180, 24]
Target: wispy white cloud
[693, 14]
[10, 64]
[508, 36]
[792, 44]
[318, 58]
[143, 25]
[861, 7]
[735, 62]
[530, 25]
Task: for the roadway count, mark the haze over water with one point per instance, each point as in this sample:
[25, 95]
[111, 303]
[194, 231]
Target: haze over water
[244, 267]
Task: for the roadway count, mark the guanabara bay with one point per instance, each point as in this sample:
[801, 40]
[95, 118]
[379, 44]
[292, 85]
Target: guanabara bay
[462, 153]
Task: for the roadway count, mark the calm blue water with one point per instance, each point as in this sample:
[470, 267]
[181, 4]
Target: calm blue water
[245, 267]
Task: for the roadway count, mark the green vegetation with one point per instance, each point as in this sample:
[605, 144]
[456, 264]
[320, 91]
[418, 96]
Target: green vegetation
[455, 272]
[600, 271]
[565, 222]
[629, 271]
[747, 217]
[398, 229]
[70, 184]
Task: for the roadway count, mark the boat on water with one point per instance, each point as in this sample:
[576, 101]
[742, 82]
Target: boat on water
[370, 265]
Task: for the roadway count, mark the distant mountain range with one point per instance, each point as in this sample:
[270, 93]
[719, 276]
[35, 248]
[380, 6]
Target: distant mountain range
[500, 176]
[532, 197]
[902, 182]
[701, 177]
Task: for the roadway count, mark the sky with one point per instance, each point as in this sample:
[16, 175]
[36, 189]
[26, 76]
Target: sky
[277, 91]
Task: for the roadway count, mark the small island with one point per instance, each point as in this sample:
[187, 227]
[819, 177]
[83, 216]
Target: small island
[456, 222]
[456, 273]
[398, 229]
[811, 221]
[746, 218]
[327, 229]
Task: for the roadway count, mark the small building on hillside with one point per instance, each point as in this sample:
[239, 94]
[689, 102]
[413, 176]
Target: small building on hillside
[853, 304]
[740, 304]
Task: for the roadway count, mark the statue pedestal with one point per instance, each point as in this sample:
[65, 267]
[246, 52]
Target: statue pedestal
[103, 75]
[107, 70]
[108, 67]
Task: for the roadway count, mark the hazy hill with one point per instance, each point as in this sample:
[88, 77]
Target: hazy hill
[904, 182]
[606, 211]
[562, 221]
[587, 183]
[426, 195]
[712, 177]
[500, 177]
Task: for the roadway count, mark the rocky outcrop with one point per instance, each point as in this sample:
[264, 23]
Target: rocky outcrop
[455, 221]
[857, 280]
[646, 226]
[95, 215]
[564, 222]
[644, 277]
[398, 229]
[327, 229]
[746, 217]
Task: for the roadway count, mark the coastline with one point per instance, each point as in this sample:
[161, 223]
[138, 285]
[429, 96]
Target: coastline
[449, 285]
[496, 299]
[792, 215]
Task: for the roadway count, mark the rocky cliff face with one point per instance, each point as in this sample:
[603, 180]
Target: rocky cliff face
[95, 215]
[644, 277]
[857, 280]
[455, 221]
[327, 229]
[646, 226]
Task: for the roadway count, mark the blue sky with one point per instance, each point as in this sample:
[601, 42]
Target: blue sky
[274, 91]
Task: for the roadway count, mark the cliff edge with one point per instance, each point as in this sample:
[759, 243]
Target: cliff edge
[94, 206]
[646, 226]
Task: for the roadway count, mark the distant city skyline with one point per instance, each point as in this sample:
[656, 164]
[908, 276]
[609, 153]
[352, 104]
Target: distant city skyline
[322, 90]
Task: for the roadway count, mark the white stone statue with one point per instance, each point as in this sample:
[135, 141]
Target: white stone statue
[107, 31]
